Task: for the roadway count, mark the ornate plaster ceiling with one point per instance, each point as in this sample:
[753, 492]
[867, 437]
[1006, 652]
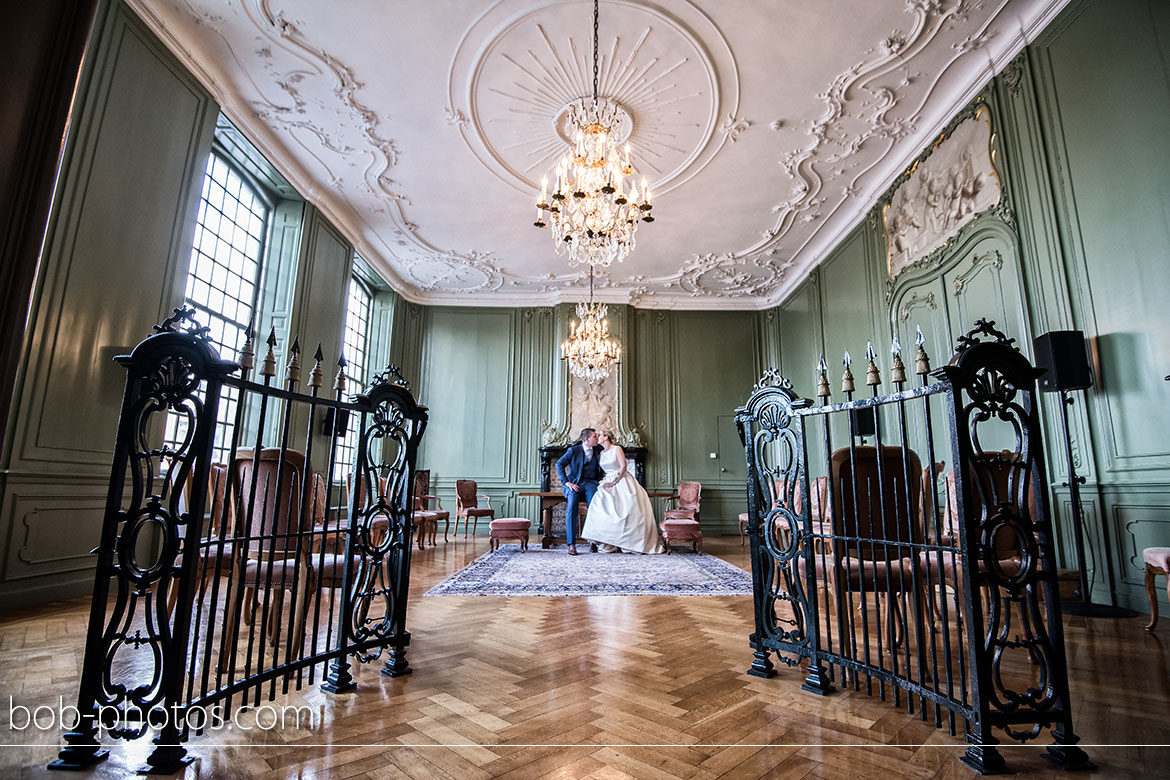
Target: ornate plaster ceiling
[766, 129]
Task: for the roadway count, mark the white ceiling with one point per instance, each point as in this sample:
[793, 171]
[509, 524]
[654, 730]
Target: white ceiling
[766, 129]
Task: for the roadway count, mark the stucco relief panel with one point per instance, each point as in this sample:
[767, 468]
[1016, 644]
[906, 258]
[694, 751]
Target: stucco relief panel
[944, 192]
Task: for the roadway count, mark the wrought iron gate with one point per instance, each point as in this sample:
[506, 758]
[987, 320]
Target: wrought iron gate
[199, 559]
[938, 587]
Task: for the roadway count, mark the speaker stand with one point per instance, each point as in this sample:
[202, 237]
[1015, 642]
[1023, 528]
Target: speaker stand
[1085, 606]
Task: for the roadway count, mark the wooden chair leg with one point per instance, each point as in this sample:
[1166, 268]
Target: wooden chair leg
[742, 536]
[1151, 572]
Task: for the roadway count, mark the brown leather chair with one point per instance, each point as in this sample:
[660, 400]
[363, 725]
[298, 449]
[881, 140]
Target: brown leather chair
[379, 524]
[467, 505]
[280, 533]
[215, 549]
[866, 509]
[1005, 470]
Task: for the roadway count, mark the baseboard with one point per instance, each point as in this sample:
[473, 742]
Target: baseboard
[42, 591]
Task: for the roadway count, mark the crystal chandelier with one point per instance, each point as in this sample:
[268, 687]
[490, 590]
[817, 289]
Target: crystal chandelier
[589, 349]
[594, 213]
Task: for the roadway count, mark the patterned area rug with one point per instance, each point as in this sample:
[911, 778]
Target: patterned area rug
[537, 572]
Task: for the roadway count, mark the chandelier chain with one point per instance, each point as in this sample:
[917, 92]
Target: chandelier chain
[595, 15]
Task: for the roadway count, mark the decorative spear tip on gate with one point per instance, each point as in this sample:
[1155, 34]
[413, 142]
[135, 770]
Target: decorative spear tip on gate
[897, 367]
[339, 380]
[293, 370]
[248, 353]
[847, 377]
[822, 371]
[316, 375]
[872, 376]
[921, 359]
[268, 367]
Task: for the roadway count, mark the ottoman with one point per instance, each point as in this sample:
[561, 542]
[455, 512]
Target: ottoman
[680, 530]
[509, 528]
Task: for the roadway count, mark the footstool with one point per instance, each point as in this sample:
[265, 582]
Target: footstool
[680, 530]
[1157, 560]
[509, 528]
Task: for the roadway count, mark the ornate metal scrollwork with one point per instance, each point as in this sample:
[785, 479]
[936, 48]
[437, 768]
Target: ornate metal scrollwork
[144, 645]
[1012, 554]
[780, 550]
[174, 371]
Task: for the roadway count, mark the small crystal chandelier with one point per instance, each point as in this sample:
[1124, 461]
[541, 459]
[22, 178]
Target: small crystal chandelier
[589, 349]
[594, 214]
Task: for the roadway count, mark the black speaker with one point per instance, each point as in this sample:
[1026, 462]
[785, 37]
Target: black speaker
[864, 421]
[342, 418]
[1063, 354]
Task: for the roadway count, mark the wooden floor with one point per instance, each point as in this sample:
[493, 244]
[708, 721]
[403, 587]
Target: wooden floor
[641, 687]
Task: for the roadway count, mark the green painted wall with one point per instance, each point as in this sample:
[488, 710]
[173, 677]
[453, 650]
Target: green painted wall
[116, 251]
[1082, 241]
[492, 378]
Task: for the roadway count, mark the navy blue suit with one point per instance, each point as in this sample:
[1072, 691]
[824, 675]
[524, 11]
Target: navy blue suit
[572, 467]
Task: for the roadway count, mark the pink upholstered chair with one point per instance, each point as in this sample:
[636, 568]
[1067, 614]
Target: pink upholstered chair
[1157, 560]
[467, 505]
[681, 524]
[687, 499]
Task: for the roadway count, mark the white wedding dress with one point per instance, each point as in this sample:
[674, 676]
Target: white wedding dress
[621, 515]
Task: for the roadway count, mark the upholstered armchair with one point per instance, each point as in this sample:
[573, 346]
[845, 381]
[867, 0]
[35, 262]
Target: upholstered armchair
[379, 524]
[686, 502]
[819, 507]
[681, 524]
[467, 505]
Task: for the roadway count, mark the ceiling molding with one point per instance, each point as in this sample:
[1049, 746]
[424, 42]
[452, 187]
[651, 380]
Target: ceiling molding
[422, 136]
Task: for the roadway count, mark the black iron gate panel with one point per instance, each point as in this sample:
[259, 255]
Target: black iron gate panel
[878, 566]
[237, 559]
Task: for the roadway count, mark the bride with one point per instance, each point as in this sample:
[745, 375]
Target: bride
[620, 515]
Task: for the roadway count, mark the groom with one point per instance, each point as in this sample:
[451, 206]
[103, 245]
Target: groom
[579, 473]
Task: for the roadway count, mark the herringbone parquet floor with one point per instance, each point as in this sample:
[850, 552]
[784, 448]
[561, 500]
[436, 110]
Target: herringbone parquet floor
[638, 687]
